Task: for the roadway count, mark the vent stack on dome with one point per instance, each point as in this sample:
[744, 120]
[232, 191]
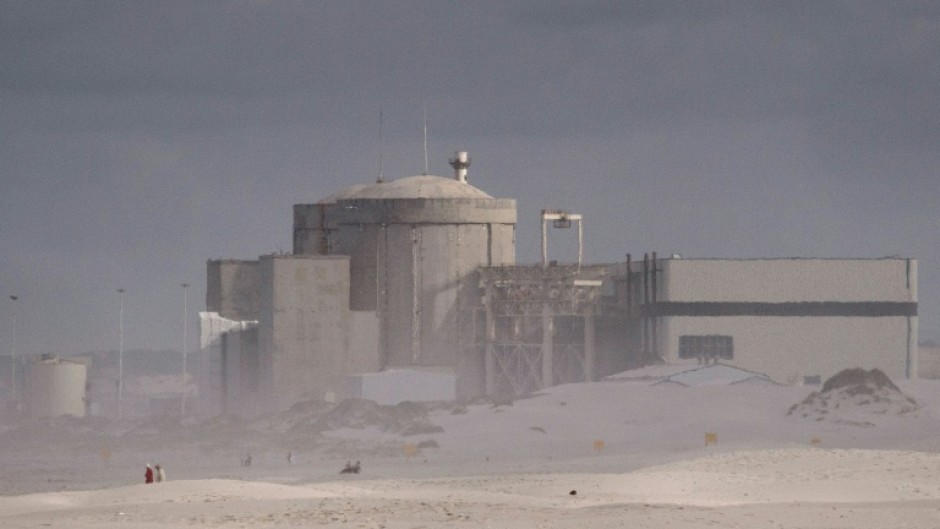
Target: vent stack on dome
[460, 162]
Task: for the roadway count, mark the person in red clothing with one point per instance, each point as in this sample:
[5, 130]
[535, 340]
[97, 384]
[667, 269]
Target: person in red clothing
[148, 474]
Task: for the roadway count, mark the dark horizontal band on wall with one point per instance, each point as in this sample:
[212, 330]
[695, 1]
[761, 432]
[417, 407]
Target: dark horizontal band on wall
[798, 308]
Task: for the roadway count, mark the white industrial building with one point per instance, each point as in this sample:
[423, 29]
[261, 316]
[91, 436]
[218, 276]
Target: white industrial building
[792, 319]
[408, 290]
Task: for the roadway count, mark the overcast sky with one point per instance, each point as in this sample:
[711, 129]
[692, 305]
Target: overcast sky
[139, 139]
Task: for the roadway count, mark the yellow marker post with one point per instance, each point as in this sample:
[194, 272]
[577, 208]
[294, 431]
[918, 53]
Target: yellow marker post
[711, 438]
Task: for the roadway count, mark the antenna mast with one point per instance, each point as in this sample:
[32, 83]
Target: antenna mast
[425, 138]
[381, 177]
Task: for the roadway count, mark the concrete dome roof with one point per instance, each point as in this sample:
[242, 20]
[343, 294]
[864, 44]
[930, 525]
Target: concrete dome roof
[345, 193]
[423, 186]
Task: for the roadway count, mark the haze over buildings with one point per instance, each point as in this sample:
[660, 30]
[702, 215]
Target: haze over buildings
[141, 139]
[408, 290]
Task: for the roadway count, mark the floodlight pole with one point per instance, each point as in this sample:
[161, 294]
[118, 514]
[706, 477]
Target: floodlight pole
[13, 354]
[183, 387]
[120, 402]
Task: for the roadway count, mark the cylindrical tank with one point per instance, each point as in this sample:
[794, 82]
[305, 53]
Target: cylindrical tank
[55, 387]
[414, 246]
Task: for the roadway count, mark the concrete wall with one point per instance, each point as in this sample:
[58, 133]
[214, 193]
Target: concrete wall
[240, 372]
[400, 385]
[310, 232]
[414, 262]
[360, 243]
[232, 289]
[426, 274]
[228, 371]
[362, 353]
[308, 338]
[311, 223]
[787, 280]
[928, 362]
[791, 318]
[789, 348]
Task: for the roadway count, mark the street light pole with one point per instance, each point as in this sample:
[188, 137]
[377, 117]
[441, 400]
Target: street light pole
[183, 387]
[120, 402]
[13, 354]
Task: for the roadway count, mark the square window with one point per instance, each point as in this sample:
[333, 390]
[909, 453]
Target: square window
[706, 347]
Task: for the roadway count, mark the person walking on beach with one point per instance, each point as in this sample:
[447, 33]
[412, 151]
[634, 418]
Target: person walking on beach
[161, 474]
[148, 474]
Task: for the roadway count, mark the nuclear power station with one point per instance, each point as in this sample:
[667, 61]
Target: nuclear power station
[409, 290]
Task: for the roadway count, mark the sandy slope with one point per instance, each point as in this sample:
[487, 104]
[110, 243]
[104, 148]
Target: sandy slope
[802, 487]
[516, 466]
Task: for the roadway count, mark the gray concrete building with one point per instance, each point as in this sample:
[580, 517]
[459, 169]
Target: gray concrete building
[795, 320]
[791, 319]
[378, 281]
[409, 289]
[414, 246]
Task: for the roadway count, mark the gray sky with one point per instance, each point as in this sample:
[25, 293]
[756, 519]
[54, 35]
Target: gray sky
[139, 139]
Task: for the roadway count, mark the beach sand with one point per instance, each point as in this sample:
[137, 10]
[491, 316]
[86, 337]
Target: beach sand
[619, 453]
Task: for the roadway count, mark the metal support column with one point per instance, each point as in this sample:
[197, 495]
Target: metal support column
[489, 341]
[589, 344]
[548, 338]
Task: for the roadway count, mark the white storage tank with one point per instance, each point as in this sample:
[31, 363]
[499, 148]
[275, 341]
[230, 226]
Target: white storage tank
[55, 387]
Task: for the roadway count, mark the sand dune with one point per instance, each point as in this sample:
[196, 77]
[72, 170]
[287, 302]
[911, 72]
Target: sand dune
[621, 453]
